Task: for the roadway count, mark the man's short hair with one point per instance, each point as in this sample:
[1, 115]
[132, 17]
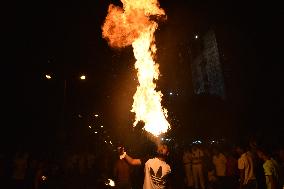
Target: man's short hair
[161, 148]
[242, 146]
[266, 150]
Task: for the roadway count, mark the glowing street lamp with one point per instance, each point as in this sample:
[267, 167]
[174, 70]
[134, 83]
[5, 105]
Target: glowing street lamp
[83, 77]
[47, 76]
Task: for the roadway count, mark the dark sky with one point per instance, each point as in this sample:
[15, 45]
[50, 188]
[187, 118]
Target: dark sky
[64, 38]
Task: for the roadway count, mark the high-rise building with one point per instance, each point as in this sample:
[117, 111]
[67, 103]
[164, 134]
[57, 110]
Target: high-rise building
[207, 74]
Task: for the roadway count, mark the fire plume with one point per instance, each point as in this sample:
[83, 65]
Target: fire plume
[133, 24]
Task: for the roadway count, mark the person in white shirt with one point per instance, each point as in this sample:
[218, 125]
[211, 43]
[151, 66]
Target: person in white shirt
[246, 166]
[197, 167]
[156, 170]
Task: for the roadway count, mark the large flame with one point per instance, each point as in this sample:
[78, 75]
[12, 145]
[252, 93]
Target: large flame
[131, 25]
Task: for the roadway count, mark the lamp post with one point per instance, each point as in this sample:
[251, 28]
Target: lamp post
[62, 125]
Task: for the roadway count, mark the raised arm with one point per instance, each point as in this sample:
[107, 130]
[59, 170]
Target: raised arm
[128, 158]
[132, 161]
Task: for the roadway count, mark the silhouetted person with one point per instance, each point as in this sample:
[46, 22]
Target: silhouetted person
[122, 174]
[187, 163]
[3, 171]
[31, 172]
[20, 165]
[281, 166]
[232, 172]
[42, 176]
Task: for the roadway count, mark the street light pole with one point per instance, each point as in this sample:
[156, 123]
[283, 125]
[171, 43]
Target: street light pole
[63, 116]
[62, 130]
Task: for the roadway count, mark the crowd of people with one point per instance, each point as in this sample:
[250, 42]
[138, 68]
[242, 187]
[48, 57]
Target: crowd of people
[24, 169]
[197, 166]
[188, 166]
[245, 167]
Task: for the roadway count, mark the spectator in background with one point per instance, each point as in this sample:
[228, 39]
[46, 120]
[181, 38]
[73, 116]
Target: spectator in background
[232, 170]
[75, 164]
[42, 175]
[246, 166]
[90, 162]
[20, 165]
[122, 173]
[31, 172]
[197, 167]
[271, 169]
[3, 170]
[260, 178]
[281, 166]
[209, 169]
[187, 163]
[220, 161]
[82, 164]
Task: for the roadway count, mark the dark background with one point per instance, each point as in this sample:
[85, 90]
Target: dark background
[63, 38]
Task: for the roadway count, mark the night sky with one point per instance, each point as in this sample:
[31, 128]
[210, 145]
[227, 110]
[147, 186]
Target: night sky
[63, 38]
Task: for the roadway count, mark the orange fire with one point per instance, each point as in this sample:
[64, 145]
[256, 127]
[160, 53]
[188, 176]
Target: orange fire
[131, 25]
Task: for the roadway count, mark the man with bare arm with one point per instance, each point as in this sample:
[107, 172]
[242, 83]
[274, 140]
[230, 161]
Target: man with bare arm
[156, 170]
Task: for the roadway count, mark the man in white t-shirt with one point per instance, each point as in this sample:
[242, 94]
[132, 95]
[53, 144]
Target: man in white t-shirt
[156, 170]
[246, 165]
[197, 167]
